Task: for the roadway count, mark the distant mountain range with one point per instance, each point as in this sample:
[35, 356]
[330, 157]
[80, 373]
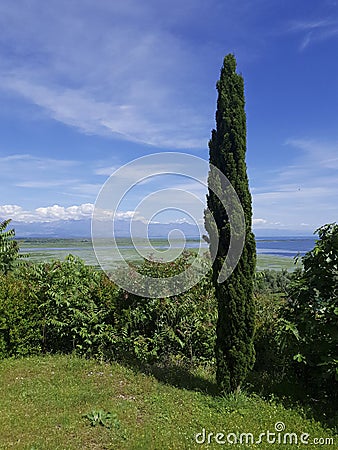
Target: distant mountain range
[82, 229]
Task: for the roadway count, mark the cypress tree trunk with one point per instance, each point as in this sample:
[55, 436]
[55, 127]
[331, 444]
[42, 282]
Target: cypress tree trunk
[235, 327]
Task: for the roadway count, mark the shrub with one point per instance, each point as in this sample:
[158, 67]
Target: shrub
[181, 326]
[267, 343]
[77, 307]
[9, 248]
[56, 307]
[272, 281]
[313, 308]
[68, 306]
[20, 317]
[276, 337]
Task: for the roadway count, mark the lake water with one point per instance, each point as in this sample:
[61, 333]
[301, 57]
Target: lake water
[273, 252]
[285, 246]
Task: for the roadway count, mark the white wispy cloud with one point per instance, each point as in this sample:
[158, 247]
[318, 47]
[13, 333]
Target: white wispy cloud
[28, 161]
[129, 121]
[34, 179]
[37, 172]
[46, 184]
[317, 153]
[156, 168]
[124, 68]
[86, 189]
[107, 171]
[313, 31]
[105, 71]
[306, 25]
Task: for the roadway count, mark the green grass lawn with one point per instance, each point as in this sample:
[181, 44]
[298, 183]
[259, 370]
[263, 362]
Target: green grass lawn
[43, 400]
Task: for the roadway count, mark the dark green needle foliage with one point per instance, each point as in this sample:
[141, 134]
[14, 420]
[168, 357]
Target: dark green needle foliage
[235, 327]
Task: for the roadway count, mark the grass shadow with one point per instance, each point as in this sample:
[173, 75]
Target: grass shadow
[290, 394]
[293, 395]
[177, 375]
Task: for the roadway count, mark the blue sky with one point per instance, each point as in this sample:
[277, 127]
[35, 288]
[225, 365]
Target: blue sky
[87, 86]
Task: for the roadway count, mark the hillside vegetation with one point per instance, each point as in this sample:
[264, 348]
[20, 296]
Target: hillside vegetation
[45, 403]
[73, 343]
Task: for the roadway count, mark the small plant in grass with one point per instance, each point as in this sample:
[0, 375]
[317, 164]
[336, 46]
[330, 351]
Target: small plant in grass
[103, 418]
[236, 402]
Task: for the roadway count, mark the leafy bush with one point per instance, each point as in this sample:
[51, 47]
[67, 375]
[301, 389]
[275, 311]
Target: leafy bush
[313, 308]
[76, 307]
[68, 306]
[9, 248]
[272, 281]
[20, 317]
[267, 343]
[182, 326]
[57, 307]
[276, 336]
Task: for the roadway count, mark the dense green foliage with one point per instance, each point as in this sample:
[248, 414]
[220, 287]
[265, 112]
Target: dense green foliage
[235, 326]
[57, 307]
[313, 309]
[68, 306]
[272, 281]
[9, 248]
[20, 317]
[181, 326]
[65, 307]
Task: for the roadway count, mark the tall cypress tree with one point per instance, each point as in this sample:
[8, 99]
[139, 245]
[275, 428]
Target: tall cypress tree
[227, 148]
